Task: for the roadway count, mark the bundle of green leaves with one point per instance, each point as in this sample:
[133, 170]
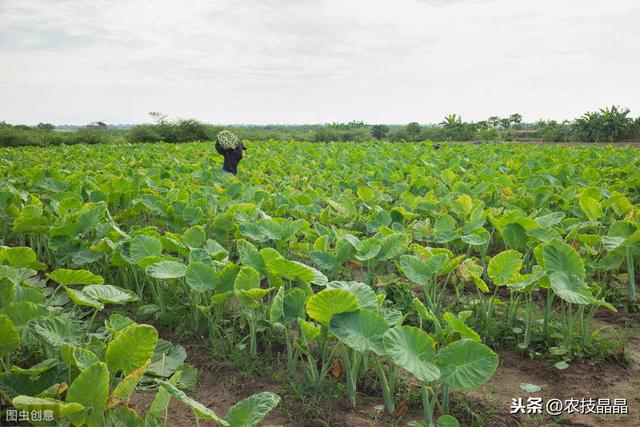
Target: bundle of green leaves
[227, 139]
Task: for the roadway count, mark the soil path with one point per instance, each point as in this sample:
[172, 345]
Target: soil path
[221, 387]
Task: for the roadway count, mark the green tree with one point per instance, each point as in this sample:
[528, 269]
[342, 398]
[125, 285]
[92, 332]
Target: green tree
[379, 131]
[47, 127]
[451, 121]
[413, 130]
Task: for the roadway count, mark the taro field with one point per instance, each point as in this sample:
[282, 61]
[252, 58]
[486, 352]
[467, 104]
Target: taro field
[326, 284]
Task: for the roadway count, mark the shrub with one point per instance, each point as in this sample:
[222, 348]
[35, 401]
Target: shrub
[172, 131]
[144, 133]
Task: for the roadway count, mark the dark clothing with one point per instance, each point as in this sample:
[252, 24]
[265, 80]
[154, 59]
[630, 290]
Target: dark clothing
[231, 157]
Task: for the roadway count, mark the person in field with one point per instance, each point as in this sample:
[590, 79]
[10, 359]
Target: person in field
[231, 148]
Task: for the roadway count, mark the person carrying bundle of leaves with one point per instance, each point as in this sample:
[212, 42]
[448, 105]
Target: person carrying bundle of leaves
[231, 148]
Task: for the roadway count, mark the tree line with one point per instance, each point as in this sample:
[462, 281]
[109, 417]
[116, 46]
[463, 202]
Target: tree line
[610, 124]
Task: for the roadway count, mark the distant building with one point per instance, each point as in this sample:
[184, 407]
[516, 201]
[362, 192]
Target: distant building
[97, 125]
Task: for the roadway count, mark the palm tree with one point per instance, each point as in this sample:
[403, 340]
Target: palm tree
[615, 123]
[451, 121]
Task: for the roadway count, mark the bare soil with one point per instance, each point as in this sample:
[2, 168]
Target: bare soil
[221, 386]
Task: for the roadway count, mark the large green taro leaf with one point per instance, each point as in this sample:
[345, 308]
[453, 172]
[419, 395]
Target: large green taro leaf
[328, 302]
[90, 389]
[570, 288]
[167, 270]
[360, 330]
[466, 364]
[560, 257]
[198, 409]
[414, 350]
[250, 411]
[366, 296]
[504, 266]
[9, 336]
[131, 348]
[68, 277]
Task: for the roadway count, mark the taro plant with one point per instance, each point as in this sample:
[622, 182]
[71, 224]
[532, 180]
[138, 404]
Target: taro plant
[246, 413]
[361, 332]
[623, 246]
[566, 276]
[440, 366]
[286, 308]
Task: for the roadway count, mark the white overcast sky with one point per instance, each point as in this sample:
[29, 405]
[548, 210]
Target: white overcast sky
[314, 61]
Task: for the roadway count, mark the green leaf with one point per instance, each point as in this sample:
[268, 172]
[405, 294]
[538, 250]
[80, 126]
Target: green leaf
[413, 350]
[143, 246]
[559, 256]
[194, 236]
[458, 326]
[466, 364]
[60, 409]
[392, 316]
[80, 298]
[323, 305]
[201, 277]
[90, 389]
[247, 278]
[530, 388]
[199, 409]
[293, 304]
[309, 330]
[158, 409]
[250, 411]
[9, 336]
[475, 240]
[166, 359]
[122, 416]
[56, 331]
[366, 194]
[367, 298]
[117, 322]
[250, 256]
[447, 421]
[391, 246]
[276, 312]
[419, 271]
[37, 369]
[570, 288]
[368, 249]
[360, 330]
[290, 270]
[21, 257]
[167, 270]
[84, 358]
[591, 207]
[22, 312]
[110, 294]
[131, 348]
[504, 266]
[68, 277]
[125, 388]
